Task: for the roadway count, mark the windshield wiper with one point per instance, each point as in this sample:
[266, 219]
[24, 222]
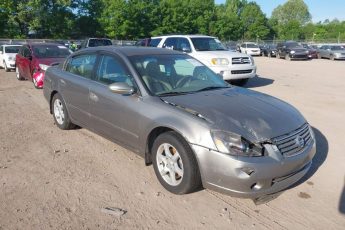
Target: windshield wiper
[172, 93]
[211, 88]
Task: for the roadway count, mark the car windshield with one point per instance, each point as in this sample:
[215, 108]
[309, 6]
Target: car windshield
[99, 42]
[337, 48]
[50, 51]
[168, 75]
[252, 46]
[293, 45]
[273, 46]
[207, 44]
[12, 49]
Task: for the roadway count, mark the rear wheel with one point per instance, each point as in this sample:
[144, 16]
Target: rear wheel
[60, 113]
[18, 75]
[175, 164]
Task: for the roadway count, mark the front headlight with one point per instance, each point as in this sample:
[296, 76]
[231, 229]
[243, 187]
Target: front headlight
[292, 52]
[43, 67]
[234, 144]
[220, 61]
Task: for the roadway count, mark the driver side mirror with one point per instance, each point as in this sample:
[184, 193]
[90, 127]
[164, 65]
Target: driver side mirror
[121, 88]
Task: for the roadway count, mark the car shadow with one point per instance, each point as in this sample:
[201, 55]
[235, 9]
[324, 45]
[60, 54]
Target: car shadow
[319, 158]
[258, 81]
[342, 201]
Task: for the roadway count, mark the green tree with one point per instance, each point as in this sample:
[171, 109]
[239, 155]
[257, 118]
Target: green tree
[288, 19]
[254, 22]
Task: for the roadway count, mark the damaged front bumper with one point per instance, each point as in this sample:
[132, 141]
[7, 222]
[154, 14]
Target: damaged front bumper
[252, 177]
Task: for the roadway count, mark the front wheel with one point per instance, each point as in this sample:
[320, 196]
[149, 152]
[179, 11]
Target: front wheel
[60, 113]
[5, 67]
[175, 164]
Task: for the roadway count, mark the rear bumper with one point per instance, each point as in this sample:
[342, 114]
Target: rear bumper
[252, 177]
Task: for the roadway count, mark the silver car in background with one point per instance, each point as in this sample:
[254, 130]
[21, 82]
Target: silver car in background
[333, 52]
[194, 128]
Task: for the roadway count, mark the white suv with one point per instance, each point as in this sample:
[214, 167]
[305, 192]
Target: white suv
[8, 56]
[250, 48]
[211, 52]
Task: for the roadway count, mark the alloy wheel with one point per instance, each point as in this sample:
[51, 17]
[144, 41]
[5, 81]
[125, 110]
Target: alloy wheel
[169, 164]
[59, 111]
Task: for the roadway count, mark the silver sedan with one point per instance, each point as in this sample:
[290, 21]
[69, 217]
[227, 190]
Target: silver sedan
[196, 129]
[333, 52]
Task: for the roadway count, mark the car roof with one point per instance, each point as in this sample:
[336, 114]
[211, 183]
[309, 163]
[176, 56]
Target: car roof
[43, 44]
[183, 35]
[130, 50]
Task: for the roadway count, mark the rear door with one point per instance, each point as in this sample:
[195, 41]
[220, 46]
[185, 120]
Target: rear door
[113, 115]
[74, 86]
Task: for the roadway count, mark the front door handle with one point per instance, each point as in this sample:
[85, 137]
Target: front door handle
[93, 97]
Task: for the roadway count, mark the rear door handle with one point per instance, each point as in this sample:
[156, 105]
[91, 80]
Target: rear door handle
[93, 97]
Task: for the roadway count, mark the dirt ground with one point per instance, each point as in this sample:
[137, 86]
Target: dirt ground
[54, 179]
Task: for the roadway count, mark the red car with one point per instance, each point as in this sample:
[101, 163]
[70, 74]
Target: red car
[33, 60]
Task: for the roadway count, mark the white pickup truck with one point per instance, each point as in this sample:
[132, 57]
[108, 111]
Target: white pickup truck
[209, 50]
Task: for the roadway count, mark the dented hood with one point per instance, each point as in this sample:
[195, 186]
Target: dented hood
[255, 116]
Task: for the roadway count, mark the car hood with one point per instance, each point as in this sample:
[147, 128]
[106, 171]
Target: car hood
[298, 50]
[49, 61]
[221, 54]
[10, 55]
[255, 116]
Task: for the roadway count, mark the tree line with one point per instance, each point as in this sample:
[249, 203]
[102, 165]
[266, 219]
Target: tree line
[133, 19]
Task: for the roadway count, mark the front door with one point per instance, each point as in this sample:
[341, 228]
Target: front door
[114, 115]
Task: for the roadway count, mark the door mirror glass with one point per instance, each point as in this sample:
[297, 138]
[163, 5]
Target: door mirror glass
[121, 88]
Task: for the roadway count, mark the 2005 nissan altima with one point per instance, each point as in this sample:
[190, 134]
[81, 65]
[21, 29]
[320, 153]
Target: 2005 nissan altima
[180, 116]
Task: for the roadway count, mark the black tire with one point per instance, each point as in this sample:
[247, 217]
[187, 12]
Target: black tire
[191, 179]
[5, 67]
[287, 57]
[241, 82]
[64, 122]
[18, 75]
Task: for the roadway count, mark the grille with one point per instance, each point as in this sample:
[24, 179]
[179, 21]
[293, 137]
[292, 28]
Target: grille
[240, 60]
[295, 142]
[241, 71]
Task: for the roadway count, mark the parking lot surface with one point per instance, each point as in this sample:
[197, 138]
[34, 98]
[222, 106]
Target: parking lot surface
[54, 179]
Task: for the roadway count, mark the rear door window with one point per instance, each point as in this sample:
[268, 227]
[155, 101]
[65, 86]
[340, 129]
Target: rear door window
[82, 65]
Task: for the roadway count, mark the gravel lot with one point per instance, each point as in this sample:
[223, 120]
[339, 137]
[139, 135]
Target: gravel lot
[54, 179]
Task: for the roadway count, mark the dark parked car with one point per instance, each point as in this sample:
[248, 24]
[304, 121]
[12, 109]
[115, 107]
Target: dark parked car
[291, 50]
[93, 42]
[33, 60]
[184, 119]
[269, 50]
[312, 52]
